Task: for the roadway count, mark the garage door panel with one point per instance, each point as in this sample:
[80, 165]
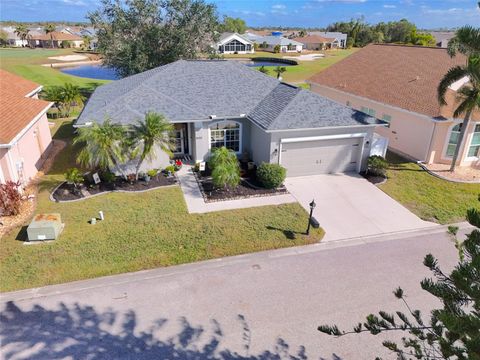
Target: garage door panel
[321, 156]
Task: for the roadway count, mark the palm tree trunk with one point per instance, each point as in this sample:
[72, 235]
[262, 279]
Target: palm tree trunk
[137, 168]
[465, 124]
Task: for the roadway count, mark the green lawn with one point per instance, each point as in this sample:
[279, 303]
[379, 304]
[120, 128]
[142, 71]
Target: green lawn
[27, 63]
[141, 231]
[305, 69]
[430, 198]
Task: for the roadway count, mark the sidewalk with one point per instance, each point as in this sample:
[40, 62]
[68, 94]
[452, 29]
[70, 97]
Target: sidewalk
[196, 203]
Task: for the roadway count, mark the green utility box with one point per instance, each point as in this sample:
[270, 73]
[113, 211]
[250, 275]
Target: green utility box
[45, 227]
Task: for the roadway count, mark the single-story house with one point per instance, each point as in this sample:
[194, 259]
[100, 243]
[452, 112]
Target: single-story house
[24, 133]
[233, 43]
[224, 103]
[12, 38]
[317, 42]
[268, 43]
[341, 38]
[55, 39]
[398, 84]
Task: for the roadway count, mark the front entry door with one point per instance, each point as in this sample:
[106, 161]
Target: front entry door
[179, 142]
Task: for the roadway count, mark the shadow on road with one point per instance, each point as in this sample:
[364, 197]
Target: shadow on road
[80, 332]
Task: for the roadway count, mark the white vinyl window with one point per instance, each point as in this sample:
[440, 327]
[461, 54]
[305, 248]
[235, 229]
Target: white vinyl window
[368, 111]
[474, 148]
[226, 133]
[453, 140]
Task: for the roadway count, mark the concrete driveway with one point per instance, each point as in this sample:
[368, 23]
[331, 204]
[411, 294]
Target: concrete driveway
[350, 206]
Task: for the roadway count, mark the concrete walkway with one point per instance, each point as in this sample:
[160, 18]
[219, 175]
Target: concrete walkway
[196, 203]
[349, 206]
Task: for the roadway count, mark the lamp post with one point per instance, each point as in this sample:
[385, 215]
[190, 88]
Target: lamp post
[312, 206]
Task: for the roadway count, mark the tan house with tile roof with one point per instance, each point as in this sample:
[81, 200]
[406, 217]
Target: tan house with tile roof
[24, 133]
[398, 84]
[317, 42]
[55, 39]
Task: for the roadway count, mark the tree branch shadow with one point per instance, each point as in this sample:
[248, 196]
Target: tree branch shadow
[80, 332]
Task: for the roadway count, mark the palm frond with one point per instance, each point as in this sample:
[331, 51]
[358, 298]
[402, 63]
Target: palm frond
[454, 74]
[466, 41]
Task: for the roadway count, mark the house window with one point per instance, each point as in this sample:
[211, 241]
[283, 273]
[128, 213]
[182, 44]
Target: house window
[226, 133]
[387, 118]
[453, 140]
[234, 45]
[178, 142]
[368, 111]
[474, 148]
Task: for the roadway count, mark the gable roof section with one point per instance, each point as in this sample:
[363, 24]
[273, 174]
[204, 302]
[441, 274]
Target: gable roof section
[196, 90]
[402, 76]
[57, 36]
[17, 110]
[278, 40]
[227, 36]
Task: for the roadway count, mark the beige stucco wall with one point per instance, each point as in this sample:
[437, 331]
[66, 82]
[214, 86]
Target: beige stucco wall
[412, 134]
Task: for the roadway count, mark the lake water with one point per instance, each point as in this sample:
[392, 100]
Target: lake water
[92, 71]
[100, 72]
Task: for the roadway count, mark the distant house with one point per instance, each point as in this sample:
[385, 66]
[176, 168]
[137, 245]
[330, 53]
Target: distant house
[442, 37]
[268, 43]
[55, 39]
[24, 133]
[398, 84]
[340, 38]
[233, 43]
[12, 38]
[317, 42]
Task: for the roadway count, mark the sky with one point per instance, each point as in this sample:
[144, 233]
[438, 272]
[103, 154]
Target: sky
[426, 14]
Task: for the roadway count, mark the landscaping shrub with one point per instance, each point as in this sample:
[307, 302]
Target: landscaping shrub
[152, 172]
[10, 198]
[73, 176]
[108, 177]
[170, 168]
[271, 175]
[377, 166]
[225, 167]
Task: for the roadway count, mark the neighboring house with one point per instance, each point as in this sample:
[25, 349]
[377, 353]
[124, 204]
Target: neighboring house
[24, 133]
[317, 42]
[233, 43]
[12, 38]
[56, 38]
[268, 43]
[398, 84]
[224, 103]
[341, 38]
[442, 37]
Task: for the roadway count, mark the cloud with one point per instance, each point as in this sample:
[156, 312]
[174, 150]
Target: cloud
[388, 6]
[248, 12]
[75, 2]
[278, 7]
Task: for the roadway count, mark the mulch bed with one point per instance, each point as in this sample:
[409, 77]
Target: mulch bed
[248, 188]
[66, 192]
[375, 180]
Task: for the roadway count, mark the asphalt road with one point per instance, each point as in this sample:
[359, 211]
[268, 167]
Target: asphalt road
[261, 306]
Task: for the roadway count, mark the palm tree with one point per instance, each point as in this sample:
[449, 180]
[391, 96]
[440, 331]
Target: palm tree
[65, 97]
[49, 29]
[22, 32]
[225, 167]
[102, 146]
[263, 69]
[467, 42]
[152, 131]
[279, 70]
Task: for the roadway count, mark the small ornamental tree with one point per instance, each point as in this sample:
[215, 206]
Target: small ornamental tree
[377, 166]
[263, 69]
[225, 168]
[271, 175]
[10, 198]
[453, 331]
[73, 176]
[276, 49]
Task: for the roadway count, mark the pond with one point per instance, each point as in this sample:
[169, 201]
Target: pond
[92, 71]
[100, 72]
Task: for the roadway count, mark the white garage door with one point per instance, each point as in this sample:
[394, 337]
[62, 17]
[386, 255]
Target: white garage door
[321, 156]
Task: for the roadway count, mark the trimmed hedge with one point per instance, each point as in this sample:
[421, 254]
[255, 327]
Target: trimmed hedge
[271, 175]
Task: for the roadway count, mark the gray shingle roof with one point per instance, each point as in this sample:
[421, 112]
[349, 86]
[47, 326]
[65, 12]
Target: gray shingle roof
[195, 90]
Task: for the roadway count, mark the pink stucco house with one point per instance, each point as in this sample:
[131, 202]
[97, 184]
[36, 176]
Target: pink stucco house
[24, 133]
[398, 84]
